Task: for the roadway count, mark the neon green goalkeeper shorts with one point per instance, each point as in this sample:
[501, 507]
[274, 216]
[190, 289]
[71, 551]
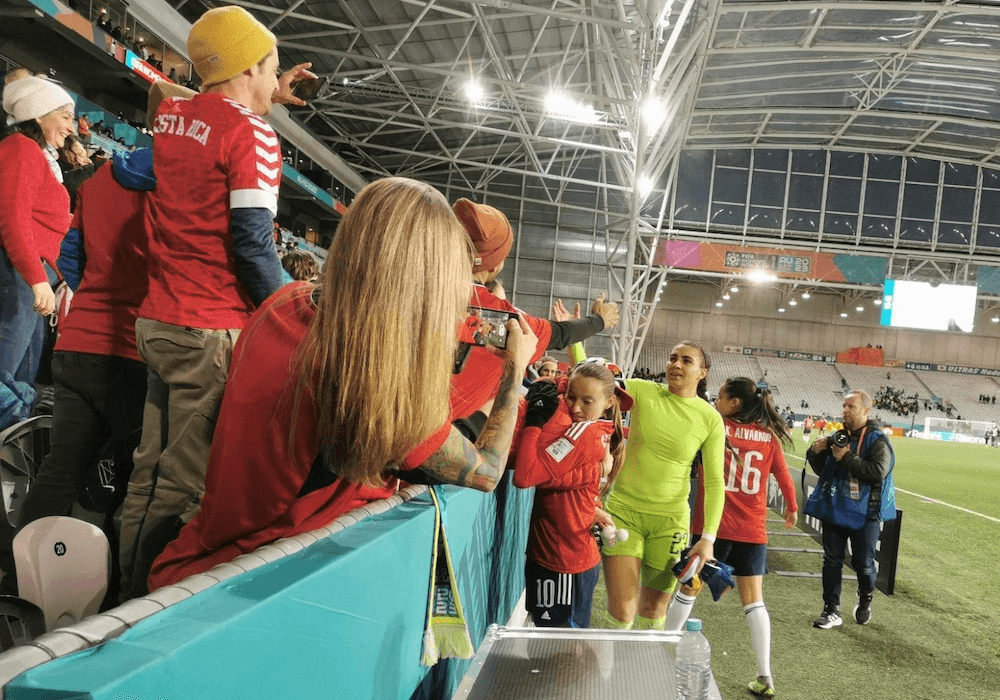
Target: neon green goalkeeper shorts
[657, 540]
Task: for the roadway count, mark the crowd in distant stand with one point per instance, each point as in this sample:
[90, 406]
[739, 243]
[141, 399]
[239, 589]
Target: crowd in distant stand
[988, 399]
[896, 401]
[646, 373]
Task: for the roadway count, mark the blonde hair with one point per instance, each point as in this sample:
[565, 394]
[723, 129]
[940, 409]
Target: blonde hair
[379, 353]
[600, 372]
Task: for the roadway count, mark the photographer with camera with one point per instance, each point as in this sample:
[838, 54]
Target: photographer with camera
[854, 494]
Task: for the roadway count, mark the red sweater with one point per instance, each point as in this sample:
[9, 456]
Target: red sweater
[34, 208]
[479, 380]
[255, 478]
[101, 320]
[562, 460]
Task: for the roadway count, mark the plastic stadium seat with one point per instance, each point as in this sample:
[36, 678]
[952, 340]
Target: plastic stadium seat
[23, 447]
[63, 567]
[20, 622]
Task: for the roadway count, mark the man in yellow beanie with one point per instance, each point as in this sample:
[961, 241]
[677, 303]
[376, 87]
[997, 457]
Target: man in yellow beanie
[212, 262]
[477, 381]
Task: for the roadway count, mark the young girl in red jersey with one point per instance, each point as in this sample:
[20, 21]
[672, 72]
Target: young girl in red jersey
[565, 460]
[755, 433]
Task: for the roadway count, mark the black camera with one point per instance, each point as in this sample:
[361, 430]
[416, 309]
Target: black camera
[841, 438]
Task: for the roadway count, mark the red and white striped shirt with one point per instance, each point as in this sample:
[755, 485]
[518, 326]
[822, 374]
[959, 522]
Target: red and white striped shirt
[211, 154]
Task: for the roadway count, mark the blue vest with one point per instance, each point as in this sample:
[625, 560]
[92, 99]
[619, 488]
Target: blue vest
[882, 496]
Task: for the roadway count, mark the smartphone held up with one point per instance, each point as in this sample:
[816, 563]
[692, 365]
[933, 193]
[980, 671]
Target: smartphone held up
[485, 327]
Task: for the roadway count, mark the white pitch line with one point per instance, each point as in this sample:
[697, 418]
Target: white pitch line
[931, 500]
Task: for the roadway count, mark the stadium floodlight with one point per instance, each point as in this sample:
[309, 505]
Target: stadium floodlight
[781, 309]
[734, 289]
[760, 276]
[726, 296]
[877, 302]
[806, 295]
[474, 91]
[792, 302]
[859, 308]
[843, 314]
[653, 113]
[644, 185]
[560, 106]
[995, 319]
[718, 303]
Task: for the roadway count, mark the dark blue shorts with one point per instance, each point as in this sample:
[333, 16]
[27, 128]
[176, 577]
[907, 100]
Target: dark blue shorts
[746, 559]
[559, 600]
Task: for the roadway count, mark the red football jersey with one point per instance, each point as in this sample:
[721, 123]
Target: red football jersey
[744, 518]
[479, 380]
[211, 155]
[101, 320]
[562, 460]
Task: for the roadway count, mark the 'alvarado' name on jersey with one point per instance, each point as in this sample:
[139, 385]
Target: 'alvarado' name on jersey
[747, 433]
[174, 124]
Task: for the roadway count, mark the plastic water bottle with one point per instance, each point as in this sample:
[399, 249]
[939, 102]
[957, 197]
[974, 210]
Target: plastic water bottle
[693, 662]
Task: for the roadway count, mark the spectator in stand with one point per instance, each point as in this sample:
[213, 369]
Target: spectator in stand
[76, 166]
[34, 217]
[100, 382]
[212, 262]
[301, 265]
[173, 73]
[547, 367]
[321, 414]
[492, 238]
[83, 129]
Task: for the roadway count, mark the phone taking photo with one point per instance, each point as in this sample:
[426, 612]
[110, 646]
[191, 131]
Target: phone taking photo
[485, 327]
[308, 88]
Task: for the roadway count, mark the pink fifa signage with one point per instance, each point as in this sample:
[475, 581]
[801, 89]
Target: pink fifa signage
[143, 69]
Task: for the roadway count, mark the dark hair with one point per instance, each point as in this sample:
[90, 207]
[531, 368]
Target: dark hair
[756, 406]
[706, 362]
[300, 264]
[600, 372]
[29, 128]
[492, 285]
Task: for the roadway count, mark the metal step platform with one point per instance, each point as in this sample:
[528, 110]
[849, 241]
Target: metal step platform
[573, 664]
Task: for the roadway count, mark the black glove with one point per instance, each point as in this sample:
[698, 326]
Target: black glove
[543, 400]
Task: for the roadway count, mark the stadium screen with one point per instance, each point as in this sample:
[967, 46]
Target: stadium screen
[941, 307]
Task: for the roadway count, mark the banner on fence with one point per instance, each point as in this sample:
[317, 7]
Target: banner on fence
[886, 549]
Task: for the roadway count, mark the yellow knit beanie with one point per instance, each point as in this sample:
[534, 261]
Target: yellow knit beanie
[226, 41]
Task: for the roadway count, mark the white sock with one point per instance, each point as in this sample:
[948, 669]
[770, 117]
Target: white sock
[679, 611]
[760, 635]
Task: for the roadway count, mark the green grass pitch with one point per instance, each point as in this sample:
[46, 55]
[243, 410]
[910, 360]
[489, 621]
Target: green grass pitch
[937, 637]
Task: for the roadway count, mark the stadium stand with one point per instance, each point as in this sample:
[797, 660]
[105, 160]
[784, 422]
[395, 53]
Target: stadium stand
[725, 365]
[817, 383]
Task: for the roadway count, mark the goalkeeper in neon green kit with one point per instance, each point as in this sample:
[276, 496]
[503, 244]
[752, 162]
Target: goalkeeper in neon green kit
[669, 425]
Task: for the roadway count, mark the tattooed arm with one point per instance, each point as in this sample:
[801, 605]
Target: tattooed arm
[481, 465]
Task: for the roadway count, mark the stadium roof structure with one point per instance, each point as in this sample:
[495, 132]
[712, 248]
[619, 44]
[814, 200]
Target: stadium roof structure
[848, 127]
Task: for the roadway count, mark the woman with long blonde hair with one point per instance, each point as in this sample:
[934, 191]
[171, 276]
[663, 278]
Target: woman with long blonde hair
[335, 390]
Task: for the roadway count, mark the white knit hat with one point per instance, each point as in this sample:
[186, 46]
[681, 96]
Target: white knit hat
[31, 98]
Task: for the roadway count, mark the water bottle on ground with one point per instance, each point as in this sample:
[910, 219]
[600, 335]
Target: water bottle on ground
[693, 662]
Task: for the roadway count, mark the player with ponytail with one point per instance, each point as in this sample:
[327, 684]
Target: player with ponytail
[569, 447]
[755, 433]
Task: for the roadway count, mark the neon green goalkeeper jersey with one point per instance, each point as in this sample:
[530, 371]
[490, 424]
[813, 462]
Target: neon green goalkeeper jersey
[666, 431]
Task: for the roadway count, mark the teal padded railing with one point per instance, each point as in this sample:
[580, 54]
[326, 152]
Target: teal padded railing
[340, 618]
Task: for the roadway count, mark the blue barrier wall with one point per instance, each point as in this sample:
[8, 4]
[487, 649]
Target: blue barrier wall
[343, 618]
